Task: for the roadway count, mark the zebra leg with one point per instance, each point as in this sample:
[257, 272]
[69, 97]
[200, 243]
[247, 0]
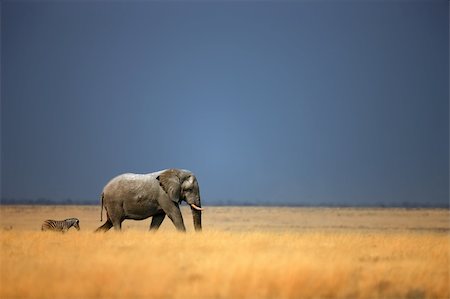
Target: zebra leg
[105, 227]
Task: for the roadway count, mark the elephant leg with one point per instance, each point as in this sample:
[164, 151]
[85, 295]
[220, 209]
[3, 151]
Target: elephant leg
[105, 227]
[117, 224]
[115, 214]
[172, 210]
[156, 221]
[176, 217]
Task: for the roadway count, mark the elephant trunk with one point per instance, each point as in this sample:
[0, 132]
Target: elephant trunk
[197, 217]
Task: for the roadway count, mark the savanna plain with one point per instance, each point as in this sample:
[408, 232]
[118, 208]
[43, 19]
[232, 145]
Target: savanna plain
[243, 252]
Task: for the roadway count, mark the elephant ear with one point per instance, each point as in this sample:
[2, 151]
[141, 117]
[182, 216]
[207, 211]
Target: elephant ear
[170, 182]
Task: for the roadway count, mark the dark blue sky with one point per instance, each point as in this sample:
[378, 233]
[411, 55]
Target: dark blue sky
[290, 101]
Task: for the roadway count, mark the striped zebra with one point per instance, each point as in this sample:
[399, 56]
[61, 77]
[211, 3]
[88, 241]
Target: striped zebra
[60, 226]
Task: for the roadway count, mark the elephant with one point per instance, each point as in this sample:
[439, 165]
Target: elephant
[157, 194]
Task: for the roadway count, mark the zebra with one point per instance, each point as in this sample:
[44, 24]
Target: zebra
[61, 226]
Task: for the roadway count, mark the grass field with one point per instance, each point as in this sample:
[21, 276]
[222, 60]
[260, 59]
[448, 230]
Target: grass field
[242, 253]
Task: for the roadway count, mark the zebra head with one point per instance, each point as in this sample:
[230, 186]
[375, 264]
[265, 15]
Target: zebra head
[74, 222]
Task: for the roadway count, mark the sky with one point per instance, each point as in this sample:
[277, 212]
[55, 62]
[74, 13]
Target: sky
[299, 102]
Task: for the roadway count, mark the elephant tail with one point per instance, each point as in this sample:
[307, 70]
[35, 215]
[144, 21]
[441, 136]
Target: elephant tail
[101, 211]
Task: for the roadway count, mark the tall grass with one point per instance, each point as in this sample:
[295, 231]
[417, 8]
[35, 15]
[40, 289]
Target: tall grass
[218, 264]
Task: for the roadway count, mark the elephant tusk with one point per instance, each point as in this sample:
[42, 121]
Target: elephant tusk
[197, 208]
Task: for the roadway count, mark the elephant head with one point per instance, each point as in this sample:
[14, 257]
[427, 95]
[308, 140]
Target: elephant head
[182, 185]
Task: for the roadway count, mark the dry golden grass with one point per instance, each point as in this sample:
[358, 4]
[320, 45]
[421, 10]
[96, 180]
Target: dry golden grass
[380, 254]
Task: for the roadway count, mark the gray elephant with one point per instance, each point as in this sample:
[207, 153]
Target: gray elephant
[139, 196]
